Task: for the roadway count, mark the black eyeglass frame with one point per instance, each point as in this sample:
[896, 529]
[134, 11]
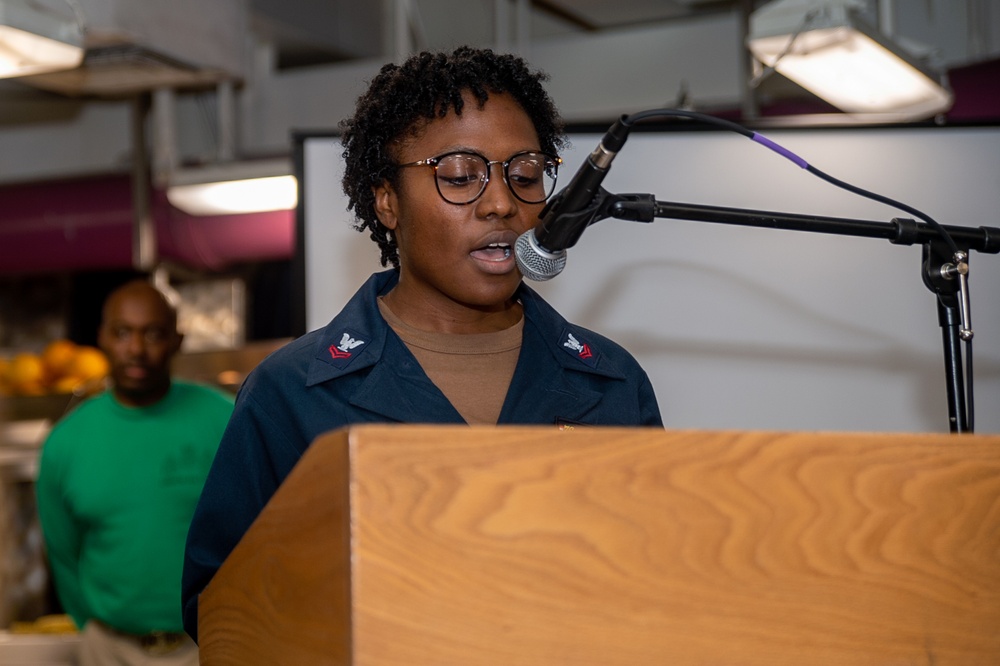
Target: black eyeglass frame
[434, 161]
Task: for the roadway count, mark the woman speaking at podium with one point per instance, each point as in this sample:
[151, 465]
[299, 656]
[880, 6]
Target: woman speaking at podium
[449, 159]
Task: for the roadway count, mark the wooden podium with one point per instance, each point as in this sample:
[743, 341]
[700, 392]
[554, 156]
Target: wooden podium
[468, 546]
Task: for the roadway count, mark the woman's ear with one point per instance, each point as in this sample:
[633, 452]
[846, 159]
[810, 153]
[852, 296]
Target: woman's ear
[386, 204]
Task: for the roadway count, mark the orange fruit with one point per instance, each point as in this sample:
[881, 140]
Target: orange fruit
[66, 384]
[25, 374]
[57, 357]
[4, 388]
[89, 364]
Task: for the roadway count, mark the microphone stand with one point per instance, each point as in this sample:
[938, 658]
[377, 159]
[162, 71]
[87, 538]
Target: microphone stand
[943, 273]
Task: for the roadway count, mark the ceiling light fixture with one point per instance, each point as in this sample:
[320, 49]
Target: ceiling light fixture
[35, 38]
[826, 47]
[233, 188]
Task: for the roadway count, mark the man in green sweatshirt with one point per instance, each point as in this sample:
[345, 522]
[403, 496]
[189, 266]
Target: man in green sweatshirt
[118, 483]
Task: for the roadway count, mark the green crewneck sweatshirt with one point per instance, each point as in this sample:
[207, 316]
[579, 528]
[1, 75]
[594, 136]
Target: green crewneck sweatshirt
[116, 489]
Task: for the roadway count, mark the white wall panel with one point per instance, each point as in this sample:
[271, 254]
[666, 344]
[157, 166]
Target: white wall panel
[757, 328]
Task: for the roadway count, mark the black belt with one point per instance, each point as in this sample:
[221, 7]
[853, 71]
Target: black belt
[155, 642]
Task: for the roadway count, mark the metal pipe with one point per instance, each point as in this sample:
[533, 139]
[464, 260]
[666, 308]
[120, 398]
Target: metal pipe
[523, 31]
[750, 108]
[501, 25]
[164, 150]
[886, 19]
[143, 228]
[226, 103]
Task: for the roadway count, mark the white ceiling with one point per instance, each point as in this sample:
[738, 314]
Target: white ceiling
[602, 14]
[298, 64]
[292, 24]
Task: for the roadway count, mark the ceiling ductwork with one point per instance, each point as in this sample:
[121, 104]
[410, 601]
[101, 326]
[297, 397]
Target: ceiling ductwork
[132, 47]
[122, 70]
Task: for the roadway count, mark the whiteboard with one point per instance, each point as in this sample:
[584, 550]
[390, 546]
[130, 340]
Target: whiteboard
[747, 328]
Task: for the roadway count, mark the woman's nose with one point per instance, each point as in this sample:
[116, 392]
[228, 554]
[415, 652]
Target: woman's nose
[497, 198]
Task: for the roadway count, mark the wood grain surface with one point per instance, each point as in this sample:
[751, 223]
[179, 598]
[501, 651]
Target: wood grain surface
[522, 545]
[283, 595]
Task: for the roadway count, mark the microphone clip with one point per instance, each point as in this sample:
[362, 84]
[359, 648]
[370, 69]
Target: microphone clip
[630, 207]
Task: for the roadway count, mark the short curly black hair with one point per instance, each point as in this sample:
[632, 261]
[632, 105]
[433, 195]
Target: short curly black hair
[427, 86]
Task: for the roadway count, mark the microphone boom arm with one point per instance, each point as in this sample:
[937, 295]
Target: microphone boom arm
[899, 231]
[943, 272]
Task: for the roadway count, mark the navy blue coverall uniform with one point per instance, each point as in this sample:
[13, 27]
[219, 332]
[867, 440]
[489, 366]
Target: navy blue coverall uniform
[356, 370]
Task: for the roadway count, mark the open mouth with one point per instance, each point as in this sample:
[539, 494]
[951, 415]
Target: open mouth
[493, 252]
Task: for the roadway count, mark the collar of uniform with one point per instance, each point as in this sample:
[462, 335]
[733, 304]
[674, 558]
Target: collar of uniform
[573, 347]
[355, 339]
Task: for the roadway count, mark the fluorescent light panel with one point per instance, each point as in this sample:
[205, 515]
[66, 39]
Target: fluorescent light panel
[256, 195]
[233, 188]
[35, 41]
[850, 66]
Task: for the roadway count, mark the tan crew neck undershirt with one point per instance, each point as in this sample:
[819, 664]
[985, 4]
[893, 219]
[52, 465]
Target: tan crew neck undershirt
[473, 370]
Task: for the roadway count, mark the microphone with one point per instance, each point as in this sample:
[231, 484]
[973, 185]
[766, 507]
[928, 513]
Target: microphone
[541, 252]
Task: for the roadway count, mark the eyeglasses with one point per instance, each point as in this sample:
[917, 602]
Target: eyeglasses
[461, 177]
